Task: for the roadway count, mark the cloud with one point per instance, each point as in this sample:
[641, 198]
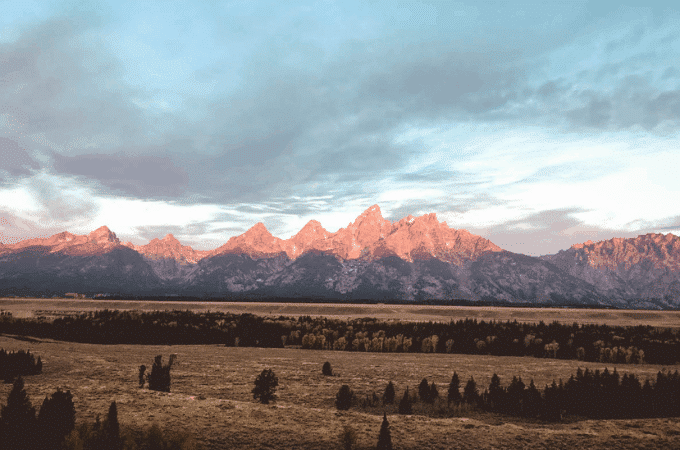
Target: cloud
[141, 176]
[14, 159]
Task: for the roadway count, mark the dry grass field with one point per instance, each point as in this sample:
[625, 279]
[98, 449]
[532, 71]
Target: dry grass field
[210, 396]
[55, 307]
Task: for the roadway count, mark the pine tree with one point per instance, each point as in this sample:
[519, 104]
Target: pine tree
[385, 437]
[496, 394]
[515, 396]
[111, 430]
[159, 378]
[434, 393]
[56, 419]
[454, 390]
[388, 396]
[532, 400]
[265, 386]
[424, 390]
[17, 420]
[470, 394]
[405, 406]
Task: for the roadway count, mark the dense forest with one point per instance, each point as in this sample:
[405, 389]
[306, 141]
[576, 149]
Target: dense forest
[603, 343]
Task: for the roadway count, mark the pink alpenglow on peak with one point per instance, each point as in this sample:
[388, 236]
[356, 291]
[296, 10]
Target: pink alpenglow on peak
[256, 242]
[369, 236]
[170, 248]
[659, 250]
[103, 235]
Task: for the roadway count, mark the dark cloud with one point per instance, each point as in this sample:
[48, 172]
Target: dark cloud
[67, 89]
[14, 159]
[634, 102]
[144, 176]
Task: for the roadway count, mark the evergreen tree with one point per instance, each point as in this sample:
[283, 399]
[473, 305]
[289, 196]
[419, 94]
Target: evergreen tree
[470, 394]
[388, 396]
[56, 419]
[434, 393]
[424, 391]
[532, 400]
[552, 408]
[515, 396]
[385, 438]
[405, 406]
[111, 430]
[159, 378]
[17, 420]
[343, 399]
[265, 386]
[454, 390]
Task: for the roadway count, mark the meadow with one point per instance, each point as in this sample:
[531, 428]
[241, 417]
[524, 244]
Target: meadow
[210, 397]
[211, 384]
[32, 307]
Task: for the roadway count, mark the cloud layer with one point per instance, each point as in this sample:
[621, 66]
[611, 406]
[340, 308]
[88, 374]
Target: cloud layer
[537, 126]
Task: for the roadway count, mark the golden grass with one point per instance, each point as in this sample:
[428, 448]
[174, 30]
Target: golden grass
[55, 307]
[211, 397]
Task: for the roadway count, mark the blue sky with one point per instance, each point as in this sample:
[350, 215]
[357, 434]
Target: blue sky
[537, 125]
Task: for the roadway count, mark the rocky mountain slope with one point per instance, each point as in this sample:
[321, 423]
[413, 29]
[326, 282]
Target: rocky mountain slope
[645, 267]
[415, 258]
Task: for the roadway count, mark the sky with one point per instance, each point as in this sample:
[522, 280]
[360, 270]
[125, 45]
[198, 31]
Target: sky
[537, 125]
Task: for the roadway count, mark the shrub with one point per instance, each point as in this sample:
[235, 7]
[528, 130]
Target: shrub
[93, 437]
[384, 438]
[388, 396]
[405, 406]
[142, 372]
[343, 399]
[327, 370]
[265, 386]
[156, 438]
[348, 438]
[57, 418]
[17, 420]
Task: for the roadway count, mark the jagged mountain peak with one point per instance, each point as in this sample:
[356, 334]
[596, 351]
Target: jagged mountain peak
[169, 238]
[103, 235]
[258, 228]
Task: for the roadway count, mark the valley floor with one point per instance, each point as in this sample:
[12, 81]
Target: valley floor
[210, 396]
[30, 307]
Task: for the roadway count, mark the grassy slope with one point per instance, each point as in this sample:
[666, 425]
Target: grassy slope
[211, 397]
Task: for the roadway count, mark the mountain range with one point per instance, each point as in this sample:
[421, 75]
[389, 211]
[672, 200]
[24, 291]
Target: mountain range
[415, 258]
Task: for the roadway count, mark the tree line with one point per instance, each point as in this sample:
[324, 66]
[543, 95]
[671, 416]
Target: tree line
[587, 394]
[586, 342]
